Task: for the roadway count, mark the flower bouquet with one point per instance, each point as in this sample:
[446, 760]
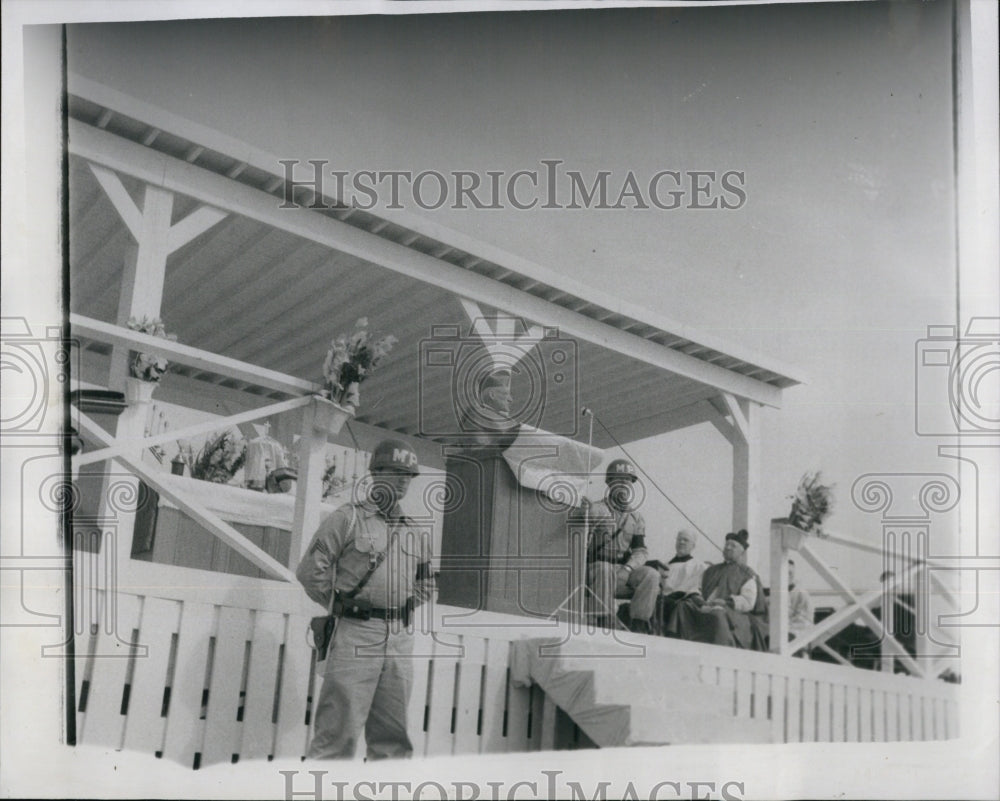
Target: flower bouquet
[219, 460]
[332, 483]
[350, 360]
[811, 503]
[149, 367]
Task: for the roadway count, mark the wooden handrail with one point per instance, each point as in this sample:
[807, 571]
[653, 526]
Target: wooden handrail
[252, 374]
[193, 430]
[207, 519]
[786, 538]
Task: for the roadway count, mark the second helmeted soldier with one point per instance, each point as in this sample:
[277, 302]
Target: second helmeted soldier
[616, 552]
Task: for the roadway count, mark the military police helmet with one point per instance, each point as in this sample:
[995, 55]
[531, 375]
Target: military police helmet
[394, 454]
[621, 468]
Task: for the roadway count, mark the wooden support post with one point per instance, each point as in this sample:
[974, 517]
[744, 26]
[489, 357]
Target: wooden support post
[746, 468]
[320, 420]
[141, 295]
[144, 271]
[778, 614]
[746, 472]
[145, 266]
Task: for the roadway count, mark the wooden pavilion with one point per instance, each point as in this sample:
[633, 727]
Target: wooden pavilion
[172, 220]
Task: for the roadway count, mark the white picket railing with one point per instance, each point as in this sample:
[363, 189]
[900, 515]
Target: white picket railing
[219, 670]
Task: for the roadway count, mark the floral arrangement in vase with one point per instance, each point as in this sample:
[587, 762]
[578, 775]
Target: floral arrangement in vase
[149, 367]
[811, 503]
[332, 483]
[219, 459]
[350, 360]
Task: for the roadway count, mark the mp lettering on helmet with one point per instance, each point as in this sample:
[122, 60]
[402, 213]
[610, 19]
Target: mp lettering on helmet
[404, 457]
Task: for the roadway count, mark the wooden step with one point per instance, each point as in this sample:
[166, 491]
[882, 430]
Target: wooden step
[650, 726]
[643, 687]
[675, 668]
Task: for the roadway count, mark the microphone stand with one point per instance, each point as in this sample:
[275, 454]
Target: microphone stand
[586, 513]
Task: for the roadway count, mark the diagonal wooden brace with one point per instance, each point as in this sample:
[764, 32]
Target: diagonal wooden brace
[205, 518]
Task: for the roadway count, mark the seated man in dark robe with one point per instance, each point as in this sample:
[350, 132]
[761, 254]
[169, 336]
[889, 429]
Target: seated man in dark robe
[731, 608]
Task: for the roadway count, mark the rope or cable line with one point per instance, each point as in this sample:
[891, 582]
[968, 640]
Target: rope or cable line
[655, 485]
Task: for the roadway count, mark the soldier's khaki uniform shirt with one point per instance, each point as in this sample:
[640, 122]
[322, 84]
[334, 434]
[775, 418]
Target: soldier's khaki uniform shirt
[345, 545]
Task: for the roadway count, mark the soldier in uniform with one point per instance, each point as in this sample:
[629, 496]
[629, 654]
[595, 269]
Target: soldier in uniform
[369, 671]
[617, 555]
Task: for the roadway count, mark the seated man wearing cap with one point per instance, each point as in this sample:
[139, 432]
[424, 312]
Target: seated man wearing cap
[730, 609]
[370, 566]
[617, 555]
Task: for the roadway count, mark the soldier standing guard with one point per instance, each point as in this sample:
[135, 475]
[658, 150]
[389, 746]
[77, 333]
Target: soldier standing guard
[616, 553]
[369, 671]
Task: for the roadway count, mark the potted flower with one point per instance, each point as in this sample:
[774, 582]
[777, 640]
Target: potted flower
[811, 503]
[350, 360]
[219, 459]
[146, 369]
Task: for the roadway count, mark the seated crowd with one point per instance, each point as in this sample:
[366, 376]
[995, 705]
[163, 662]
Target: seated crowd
[685, 598]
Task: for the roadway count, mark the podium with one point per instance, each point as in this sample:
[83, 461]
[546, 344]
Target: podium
[504, 547]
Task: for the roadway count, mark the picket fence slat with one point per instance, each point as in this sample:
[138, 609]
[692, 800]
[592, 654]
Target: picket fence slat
[878, 716]
[838, 699]
[221, 724]
[467, 711]
[292, 731]
[779, 696]
[258, 706]
[104, 724]
[852, 702]
[440, 736]
[184, 734]
[892, 717]
[793, 710]
[423, 648]
[808, 711]
[144, 724]
[494, 696]
[865, 715]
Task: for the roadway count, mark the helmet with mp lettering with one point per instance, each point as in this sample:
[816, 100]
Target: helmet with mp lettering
[620, 468]
[394, 454]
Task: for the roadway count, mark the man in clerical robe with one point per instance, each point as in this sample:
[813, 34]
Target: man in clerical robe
[731, 608]
[681, 577]
[616, 553]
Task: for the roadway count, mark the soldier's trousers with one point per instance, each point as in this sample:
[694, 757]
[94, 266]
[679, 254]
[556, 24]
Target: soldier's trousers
[607, 581]
[366, 685]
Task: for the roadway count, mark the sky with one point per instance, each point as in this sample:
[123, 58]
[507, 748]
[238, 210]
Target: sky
[839, 116]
